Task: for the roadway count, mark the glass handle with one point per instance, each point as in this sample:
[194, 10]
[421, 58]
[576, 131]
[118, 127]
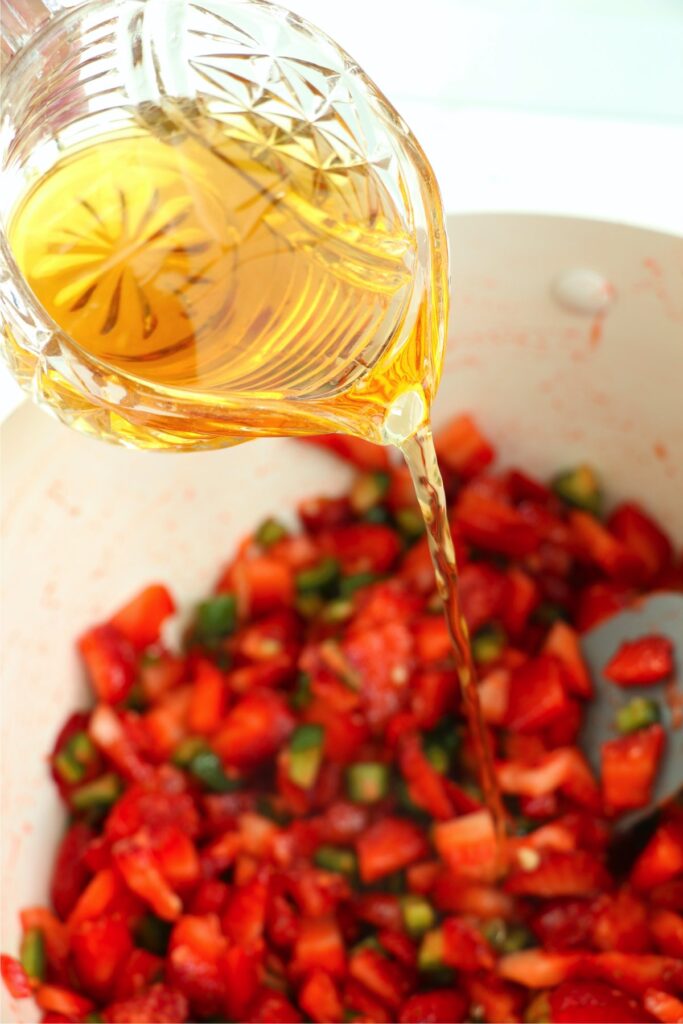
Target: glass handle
[20, 20]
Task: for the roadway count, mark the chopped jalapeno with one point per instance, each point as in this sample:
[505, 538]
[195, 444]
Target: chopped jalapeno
[430, 954]
[378, 514]
[488, 644]
[187, 750]
[336, 858]
[506, 937]
[368, 490]
[367, 781]
[98, 794]
[580, 488]
[216, 619]
[410, 522]
[270, 532]
[32, 954]
[350, 584]
[306, 754]
[337, 611]
[208, 769]
[637, 714]
[301, 695]
[418, 914]
[320, 579]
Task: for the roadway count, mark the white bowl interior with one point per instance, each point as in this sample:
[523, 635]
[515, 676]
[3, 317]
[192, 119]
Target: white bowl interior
[86, 524]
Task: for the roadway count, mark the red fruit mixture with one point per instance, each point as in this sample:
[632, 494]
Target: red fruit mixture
[282, 822]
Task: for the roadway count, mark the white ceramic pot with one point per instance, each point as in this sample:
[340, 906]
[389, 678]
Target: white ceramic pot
[86, 524]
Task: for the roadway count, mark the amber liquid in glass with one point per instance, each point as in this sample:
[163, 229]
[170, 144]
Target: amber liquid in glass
[277, 293]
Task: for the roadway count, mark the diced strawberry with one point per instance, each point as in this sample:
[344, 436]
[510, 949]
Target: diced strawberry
[320, 946]
[381, 976]
[455, 894]
[160, 674]
[244, 919]
[643, 538]
[139, 973]
[564, 731]
[159, 1005]
[15, 977]
[564, 924]
[663, 1006]
[363, 547]
[70, 873]
[159, 801]
[109, 661]
[521, 597]
[140, 620]
[432, 642]
[636, 972]
[560, 874]
[359, 452]
[537, 696]
[389, 845]
[382, 658]
[468, 845]
[535, 968]
[667, 931]
[462, 448]
[240, 971]
[464, 947]
[320, 999]
[563, 642]
[426, 787]
[501, 1002]
[581, 1002]
[491, 524]
[494, 696]
[100, 948]
[318, 514]
[254, 729]
[438, 1006]
[109, 732]
[261, 584]
[564, 769]
[620, 923]
[599, 601]
[662, 858]
[641, 662]
[629, 768]
[602, 549]
[208, 699]
[434, 693]
[482, 590]
[63, 1000]
[141, 872]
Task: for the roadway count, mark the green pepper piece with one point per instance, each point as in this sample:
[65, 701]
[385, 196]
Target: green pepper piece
[32, 954]
[301, 695]
[153, 934]
[430, 954]
[439, 758]
[74, 759]
[339, 610]
[82, 748]
[367, 781]
[320, 579]
[368, 490]
[350, 584]
[188, 749]
[216, 618]
[98, 794]
[411, 523]
[488, 644]
[580, 488]
[507, 938]
[207, 768]
[418, 914]
[637, 714]
[306, 754]
[336, 858]
[68, 768]
[270, 532]
[379, 514]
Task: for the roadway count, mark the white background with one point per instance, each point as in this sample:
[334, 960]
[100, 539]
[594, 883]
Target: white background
[562, 106]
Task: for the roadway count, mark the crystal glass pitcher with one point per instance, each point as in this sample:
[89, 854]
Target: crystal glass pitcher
[303, 256]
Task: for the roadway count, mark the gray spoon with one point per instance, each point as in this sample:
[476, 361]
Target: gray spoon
[662, 614]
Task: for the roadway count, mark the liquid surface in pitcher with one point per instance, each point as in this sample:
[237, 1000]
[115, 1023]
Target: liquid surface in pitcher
[191, 265]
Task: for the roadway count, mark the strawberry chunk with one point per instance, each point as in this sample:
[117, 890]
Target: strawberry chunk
[581, 1002]
[389, 845]
[629, 768]
[537, 695]
[560, 874]
[649, 659]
